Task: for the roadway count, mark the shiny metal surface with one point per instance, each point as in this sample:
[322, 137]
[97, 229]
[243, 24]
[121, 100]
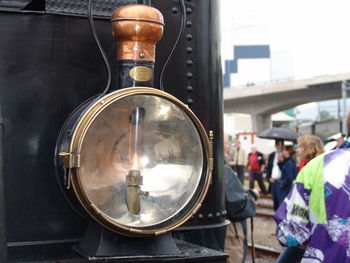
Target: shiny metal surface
[137, 29]
[170, 160]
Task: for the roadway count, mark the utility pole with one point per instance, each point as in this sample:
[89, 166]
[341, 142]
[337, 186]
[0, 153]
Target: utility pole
[344, 89]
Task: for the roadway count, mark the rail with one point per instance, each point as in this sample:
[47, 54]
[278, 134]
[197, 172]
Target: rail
[263, 251]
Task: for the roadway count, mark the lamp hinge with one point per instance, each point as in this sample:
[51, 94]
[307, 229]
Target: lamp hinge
[70, 160]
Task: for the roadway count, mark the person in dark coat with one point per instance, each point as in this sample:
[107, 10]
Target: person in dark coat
[273, 172]
[288, 172]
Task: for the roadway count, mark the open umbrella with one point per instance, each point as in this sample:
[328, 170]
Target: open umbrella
[279, 134]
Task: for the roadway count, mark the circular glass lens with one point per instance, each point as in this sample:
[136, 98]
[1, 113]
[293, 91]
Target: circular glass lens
[141, 161]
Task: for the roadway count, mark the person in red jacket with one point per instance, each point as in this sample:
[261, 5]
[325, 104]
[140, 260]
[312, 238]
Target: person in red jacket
[256, 166]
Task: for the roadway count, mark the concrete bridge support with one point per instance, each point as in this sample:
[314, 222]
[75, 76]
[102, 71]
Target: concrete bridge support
[261, 122]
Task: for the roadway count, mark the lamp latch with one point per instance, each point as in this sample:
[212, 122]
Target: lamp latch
[70, 160]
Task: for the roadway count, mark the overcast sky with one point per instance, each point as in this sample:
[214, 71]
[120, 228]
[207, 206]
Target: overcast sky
[317, 32]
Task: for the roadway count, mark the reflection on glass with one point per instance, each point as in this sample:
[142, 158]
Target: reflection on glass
[163, 145]
[136, 137]
[134, 178]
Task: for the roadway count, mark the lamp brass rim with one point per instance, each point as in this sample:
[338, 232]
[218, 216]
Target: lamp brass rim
[77, 140]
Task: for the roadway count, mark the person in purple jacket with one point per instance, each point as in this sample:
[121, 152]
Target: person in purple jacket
[316, 213]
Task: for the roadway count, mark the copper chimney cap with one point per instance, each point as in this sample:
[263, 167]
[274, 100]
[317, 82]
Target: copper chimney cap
[137, 29]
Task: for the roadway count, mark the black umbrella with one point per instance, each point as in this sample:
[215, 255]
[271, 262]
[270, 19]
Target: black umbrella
[279, 134]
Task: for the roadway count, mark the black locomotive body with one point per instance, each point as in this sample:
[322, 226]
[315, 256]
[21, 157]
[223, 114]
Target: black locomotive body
[49, 65]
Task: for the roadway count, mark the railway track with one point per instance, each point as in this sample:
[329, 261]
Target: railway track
[267, 248]
[264, 251]
[265, 207]
[263, 212]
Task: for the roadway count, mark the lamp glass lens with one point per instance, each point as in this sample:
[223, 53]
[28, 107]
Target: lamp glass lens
[157, 138]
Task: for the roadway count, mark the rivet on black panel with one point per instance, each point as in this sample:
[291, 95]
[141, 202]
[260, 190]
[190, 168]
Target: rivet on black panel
[210, 215]
[188, 10]
[189, 50]
[200, 216]
[189, 102]
[189, 37]
[189, 75]
[189, 88]
[218, 214]
[188, 23]
[189, 63]
[174, 10]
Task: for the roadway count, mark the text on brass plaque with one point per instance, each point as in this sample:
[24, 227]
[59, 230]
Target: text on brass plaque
[140, 73]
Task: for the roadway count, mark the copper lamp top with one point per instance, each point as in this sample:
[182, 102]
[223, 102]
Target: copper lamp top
[138, 13]
[137, 29]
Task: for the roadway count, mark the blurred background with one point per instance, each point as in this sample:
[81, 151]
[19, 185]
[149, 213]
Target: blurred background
[285, 64]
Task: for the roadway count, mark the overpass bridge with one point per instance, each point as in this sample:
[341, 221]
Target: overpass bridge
[262, 100]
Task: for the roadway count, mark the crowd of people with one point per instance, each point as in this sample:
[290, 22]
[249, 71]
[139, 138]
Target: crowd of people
[310, 190]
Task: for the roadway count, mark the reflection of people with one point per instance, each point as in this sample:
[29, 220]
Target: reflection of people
[106, 176]
[239, 160]
[239, 205]
[108, 165]
[256, 165]
[167, 148]
[316, 213]
[273, 171]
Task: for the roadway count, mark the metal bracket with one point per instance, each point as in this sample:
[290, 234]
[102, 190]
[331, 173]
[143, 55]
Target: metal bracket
[70, 161]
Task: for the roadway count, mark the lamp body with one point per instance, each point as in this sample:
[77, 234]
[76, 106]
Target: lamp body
[43, 81]
[109, 181]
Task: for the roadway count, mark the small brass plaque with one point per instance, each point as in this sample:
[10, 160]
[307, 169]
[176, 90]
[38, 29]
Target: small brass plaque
[140, 73]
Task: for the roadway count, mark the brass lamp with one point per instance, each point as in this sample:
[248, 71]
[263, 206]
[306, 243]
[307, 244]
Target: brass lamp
[138, 159]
